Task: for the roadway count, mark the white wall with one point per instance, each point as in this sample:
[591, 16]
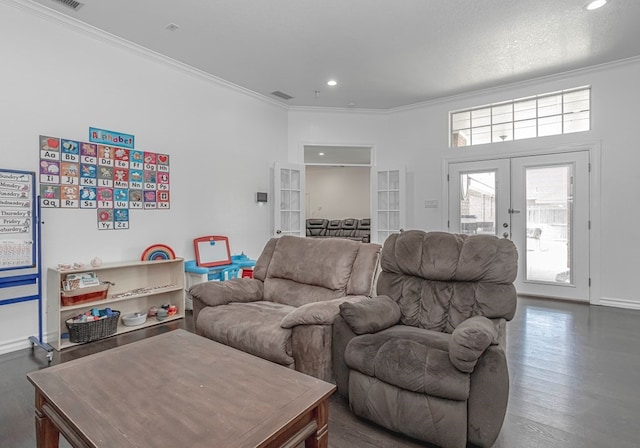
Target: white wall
[418, 138]
[338, 192]
[58, 80]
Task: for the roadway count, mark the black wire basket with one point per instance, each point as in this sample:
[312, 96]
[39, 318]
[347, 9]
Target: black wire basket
[91, 331]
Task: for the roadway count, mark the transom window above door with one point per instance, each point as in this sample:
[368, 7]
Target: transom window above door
[554, 113]
[337, 155]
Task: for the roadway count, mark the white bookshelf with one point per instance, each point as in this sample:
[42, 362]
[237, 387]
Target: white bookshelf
[137, 286]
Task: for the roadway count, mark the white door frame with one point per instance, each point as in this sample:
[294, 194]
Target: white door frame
[472, 154]
[277, 203]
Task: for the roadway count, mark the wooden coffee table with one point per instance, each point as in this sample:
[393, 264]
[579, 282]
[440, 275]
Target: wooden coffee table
[179, 390]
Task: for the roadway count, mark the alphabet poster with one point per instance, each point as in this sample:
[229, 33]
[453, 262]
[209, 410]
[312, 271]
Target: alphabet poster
[109, 179]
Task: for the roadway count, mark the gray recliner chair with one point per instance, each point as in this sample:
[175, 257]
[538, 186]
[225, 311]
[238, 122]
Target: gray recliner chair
[426, 356]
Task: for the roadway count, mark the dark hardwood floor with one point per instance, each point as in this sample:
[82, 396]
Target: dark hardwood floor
[574, 372]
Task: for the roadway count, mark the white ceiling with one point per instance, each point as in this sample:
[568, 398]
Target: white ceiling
[383, 53]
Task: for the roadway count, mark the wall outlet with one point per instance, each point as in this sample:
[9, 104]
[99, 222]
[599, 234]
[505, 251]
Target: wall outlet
[431, 203]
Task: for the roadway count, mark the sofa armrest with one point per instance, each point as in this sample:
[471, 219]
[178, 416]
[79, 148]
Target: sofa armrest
[318, 313]
[342, 334]
[469, 340]
[221, 293]
[488, 397]
[371, 315]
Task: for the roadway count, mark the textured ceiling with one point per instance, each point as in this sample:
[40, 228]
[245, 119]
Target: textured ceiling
[383, 53]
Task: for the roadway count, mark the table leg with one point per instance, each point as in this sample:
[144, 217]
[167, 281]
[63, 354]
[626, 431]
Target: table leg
[47, 435]
[320, 439]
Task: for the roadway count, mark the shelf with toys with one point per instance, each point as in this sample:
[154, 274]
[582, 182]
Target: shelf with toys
[128, 287]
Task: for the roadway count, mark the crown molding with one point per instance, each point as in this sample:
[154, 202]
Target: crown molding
[54, 16]
[343, 110]
[525, 83]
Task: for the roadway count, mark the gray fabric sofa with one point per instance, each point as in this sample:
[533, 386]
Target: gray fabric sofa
[286, 311]
[426, 357]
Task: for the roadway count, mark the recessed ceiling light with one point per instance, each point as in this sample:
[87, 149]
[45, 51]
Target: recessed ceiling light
[320, 153]
[595, 4]
[172, 26]
[332, 82]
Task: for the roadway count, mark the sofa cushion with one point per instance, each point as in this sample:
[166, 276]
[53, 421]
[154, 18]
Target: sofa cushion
[304, 261]
[432, 419]
[441, 279]
[318, 313]
[289, 292]
[221, 293]
[251, 327]
[409, 360]
[451, 257]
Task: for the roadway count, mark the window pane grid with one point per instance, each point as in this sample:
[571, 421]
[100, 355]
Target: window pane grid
[550, 114]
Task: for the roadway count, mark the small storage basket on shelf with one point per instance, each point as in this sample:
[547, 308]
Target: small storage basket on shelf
[91, 331]
[81, 295]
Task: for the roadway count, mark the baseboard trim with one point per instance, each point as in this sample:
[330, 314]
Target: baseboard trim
[620, 303]
[14, 345]
[17, 344]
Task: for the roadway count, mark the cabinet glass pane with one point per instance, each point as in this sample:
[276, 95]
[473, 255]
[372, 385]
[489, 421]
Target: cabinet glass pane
[295, 179]
[383, 181]
[285, 181]
[383, 200]
[394, 200]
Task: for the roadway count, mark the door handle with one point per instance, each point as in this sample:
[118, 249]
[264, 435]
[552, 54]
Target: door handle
[278, 232]
[513, 210]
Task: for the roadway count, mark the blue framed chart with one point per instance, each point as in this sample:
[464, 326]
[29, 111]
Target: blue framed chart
[17, 229]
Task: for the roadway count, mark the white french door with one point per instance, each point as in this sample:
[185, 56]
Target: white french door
[288, 217]
[542, 203]
[388, 202]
